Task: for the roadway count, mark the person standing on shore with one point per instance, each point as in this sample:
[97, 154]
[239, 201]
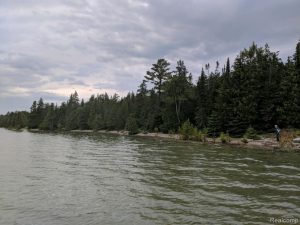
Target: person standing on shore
[277, 132]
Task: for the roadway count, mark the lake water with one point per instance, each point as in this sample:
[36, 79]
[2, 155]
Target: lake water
[83, 179]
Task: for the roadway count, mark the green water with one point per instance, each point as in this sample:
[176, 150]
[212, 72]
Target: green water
[83, 179]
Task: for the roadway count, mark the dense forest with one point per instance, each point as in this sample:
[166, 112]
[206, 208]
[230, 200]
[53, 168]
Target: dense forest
[258, 90]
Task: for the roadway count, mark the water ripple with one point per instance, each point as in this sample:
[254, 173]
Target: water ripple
[106, 179]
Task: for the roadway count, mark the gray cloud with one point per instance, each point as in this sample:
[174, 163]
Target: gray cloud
[51, 48]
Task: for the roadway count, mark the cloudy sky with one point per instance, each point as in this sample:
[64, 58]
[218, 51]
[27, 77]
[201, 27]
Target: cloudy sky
[50, 48]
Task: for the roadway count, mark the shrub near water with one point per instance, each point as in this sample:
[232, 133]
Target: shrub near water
[131, 125]
[244, 140]
[225, 138]
[297, 132]
[197, 135]
[204, 134]
[286, 139]
[188, 132]
[251, 134]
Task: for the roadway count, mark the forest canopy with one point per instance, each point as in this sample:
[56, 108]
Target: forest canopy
[258, 90]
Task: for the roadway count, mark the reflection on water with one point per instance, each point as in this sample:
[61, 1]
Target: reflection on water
[105, 179]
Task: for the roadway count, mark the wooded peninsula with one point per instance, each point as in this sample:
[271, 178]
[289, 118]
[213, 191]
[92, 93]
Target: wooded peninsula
[256, 92]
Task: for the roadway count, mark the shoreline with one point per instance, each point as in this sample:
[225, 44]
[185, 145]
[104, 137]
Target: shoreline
[265, 143]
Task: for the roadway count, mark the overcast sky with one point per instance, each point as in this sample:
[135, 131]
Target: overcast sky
[50, 48]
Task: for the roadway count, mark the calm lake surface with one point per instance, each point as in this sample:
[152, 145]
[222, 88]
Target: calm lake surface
[82, 179]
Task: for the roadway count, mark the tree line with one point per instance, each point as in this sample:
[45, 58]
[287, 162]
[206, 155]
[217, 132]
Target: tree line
[258, 90]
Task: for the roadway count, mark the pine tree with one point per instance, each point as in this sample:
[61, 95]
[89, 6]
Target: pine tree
[214, 124]
[33, 120]
[83, 113]
[224, 101]
[48, 122]
[142, 105]
[158, 75]
[131, 125]
[297, 83]
[178, 89]
[201, 95]
[40, 112]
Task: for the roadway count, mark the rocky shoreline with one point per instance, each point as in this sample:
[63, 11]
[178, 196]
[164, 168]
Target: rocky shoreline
[265, 143]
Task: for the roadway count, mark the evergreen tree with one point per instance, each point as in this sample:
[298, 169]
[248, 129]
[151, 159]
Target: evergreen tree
[142, 105]
[214, 124]
[98, 123]
[71, 121]
[158, 75]
[297, 85]
[49, 122]
[178, 88]
[83, 113]
[201, 95]
[33, 122]
[131, 125]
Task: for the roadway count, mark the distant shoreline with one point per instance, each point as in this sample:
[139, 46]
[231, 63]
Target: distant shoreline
[265, 143]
